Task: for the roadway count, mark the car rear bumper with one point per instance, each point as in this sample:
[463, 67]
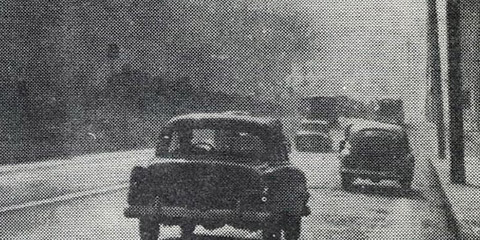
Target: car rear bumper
[369, 173]
[181, 212]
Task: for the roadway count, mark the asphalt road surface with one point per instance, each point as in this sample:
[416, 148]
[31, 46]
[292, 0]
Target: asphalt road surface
[368, 211]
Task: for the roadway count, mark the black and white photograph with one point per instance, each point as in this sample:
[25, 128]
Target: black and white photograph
[240, 119]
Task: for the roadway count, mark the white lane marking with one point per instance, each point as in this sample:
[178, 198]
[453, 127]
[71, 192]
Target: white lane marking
[63, 198]
[72, 160]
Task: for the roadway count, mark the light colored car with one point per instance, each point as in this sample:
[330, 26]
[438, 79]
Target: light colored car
[313, 136]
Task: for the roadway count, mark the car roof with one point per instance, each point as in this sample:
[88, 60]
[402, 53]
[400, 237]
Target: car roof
[366, 125]
[265, 122]
[310, 133]
[390, 100]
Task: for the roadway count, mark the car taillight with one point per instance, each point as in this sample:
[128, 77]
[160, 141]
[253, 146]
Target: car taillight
[265, 194]
[346, 150]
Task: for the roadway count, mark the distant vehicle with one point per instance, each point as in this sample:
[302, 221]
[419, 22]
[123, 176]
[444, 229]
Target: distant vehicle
[390, 111]
[321, 108]
[348, 107]
[376, 151]
[313, 136]
[216, 169]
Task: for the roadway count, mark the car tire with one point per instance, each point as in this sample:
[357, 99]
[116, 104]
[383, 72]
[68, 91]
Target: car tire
[292, 227]
[347, 181]
[148, 229]
[272, 232]
[187, 231]
[375, 180]
[405, 183]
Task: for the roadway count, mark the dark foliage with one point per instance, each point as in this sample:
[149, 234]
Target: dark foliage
[55, 102]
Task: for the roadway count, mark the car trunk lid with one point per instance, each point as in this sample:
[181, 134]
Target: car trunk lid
[376, 151]
[204, 184]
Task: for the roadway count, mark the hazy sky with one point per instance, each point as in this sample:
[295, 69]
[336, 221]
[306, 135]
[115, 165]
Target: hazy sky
[369, 49]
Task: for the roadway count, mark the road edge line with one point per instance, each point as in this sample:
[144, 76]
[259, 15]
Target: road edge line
[62, 198]
[55, 162]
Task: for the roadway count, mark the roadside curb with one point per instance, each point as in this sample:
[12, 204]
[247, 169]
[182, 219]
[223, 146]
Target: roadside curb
[66, 197]
[461, 231]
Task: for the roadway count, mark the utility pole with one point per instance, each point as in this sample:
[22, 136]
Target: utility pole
[435, 76]
[457, 165]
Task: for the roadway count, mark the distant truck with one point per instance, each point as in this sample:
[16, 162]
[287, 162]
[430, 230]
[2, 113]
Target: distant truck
[390, 111]
[349, 107]
[321, 108]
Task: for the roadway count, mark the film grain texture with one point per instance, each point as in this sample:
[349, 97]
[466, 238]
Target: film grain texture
[239, 119]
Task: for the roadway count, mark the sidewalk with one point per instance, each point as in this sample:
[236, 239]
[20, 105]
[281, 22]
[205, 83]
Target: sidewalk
[463, 201]
[23, 183]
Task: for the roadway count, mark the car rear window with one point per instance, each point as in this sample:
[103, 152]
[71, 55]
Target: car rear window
[378, 141]
[222, 142]
[314, 127]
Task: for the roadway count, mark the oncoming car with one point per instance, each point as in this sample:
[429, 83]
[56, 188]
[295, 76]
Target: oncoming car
[376, 151]
[313, 136]
[217, 169]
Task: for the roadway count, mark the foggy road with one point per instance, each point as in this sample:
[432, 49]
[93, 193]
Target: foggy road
[368, 211]
[87, 78]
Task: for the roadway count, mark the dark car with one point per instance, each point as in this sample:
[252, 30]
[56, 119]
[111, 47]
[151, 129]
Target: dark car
[313, 136]
[376, 151]
[217, 169]
[390, 111]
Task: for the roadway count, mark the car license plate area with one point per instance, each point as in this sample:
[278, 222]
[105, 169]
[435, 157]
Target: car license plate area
[181, 212]
[374, 162]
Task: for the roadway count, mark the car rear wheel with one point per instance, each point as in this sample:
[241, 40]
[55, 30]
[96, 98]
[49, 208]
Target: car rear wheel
[405, 183]
[347, 180]
[292, 227]
[148, 229]
[375, 180]
[187, 231]
[272, 232]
